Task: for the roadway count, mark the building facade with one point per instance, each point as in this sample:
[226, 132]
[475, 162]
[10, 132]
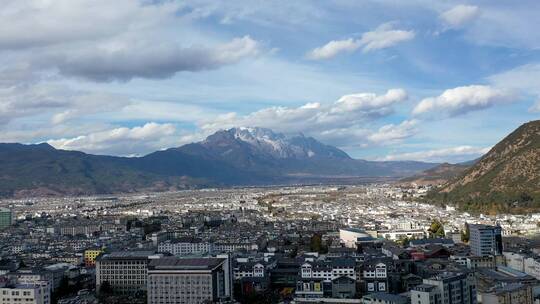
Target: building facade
[485, 240]
[6, 217]
[447, 288]
[189, 280]
[125, 271]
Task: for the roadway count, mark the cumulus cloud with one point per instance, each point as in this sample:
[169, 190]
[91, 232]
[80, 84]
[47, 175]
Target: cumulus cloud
[452, 154]
[384, 36]
[349, 110]
[122, 141]
[147, 59]
[369, 102]
[130, 40]
[392, 133]
[461, 100]
[459, 16]
[341, 123]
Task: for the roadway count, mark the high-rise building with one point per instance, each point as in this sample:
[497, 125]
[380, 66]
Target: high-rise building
[485, 240]
[446, 288]
[189, 280]
[6, 217]
[125, 271]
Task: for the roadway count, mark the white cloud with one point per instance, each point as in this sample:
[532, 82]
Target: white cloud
[391, 133]
[461, 100]
[384, 36]
[342, 123]
[452, 154]
[123, 141]
[348, 111]
[37, 23]
[369, 101]
[524, 78]
[459, 16]
[122, 40]
[332, 48]
[535, 107]
[149, 59]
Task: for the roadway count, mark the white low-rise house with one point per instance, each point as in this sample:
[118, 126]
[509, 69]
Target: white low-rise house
[27, 293]
[531, 267]
[328, 271]
[192, 246]
[515, 260]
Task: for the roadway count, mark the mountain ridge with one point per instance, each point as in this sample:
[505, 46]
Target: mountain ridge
[506, 179]
[238, 156]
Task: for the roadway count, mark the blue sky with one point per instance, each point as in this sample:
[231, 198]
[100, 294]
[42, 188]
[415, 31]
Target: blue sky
[384, 80]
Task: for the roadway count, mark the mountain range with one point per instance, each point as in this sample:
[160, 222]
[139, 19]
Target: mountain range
[506, 179]
[238, 156]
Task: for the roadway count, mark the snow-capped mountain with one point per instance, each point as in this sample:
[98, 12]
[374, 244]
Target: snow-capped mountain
[275, 145]
[277, 156]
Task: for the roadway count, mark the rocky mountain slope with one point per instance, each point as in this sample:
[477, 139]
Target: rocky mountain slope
[438, 175]
[506, 179]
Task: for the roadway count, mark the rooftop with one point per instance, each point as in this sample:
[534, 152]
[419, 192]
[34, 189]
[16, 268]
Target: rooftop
[185, 263]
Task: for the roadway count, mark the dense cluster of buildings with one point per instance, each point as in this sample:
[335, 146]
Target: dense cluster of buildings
[272, 245]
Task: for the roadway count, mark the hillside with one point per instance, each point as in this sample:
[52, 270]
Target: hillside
[506, 179]
[438, 175]
[41, 170]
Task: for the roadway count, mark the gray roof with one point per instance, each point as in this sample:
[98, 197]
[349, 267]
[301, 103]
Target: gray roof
[173, 263]
[127, 255]
[387, 297]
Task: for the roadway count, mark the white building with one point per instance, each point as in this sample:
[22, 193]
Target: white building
[191, 246]
[349, 236]
[328, 271]
[26, 293]
[125, 271]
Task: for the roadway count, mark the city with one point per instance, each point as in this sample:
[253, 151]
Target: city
[294, 244]
[269, 152]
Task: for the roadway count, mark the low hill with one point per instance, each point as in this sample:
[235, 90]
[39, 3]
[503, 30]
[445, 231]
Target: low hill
[438, 175]
[506, 179]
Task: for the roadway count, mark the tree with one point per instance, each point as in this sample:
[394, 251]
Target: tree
[316, 243]
[436, 229]
[466, 234]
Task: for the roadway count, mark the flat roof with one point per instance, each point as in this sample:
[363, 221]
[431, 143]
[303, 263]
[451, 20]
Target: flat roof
[174, 263]
[120, 255]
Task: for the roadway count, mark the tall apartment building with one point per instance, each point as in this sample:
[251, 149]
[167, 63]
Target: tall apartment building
[6, 217]
[485, 240]
[27, 293]
[446, 288]
[189, 280]
[125, 271]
